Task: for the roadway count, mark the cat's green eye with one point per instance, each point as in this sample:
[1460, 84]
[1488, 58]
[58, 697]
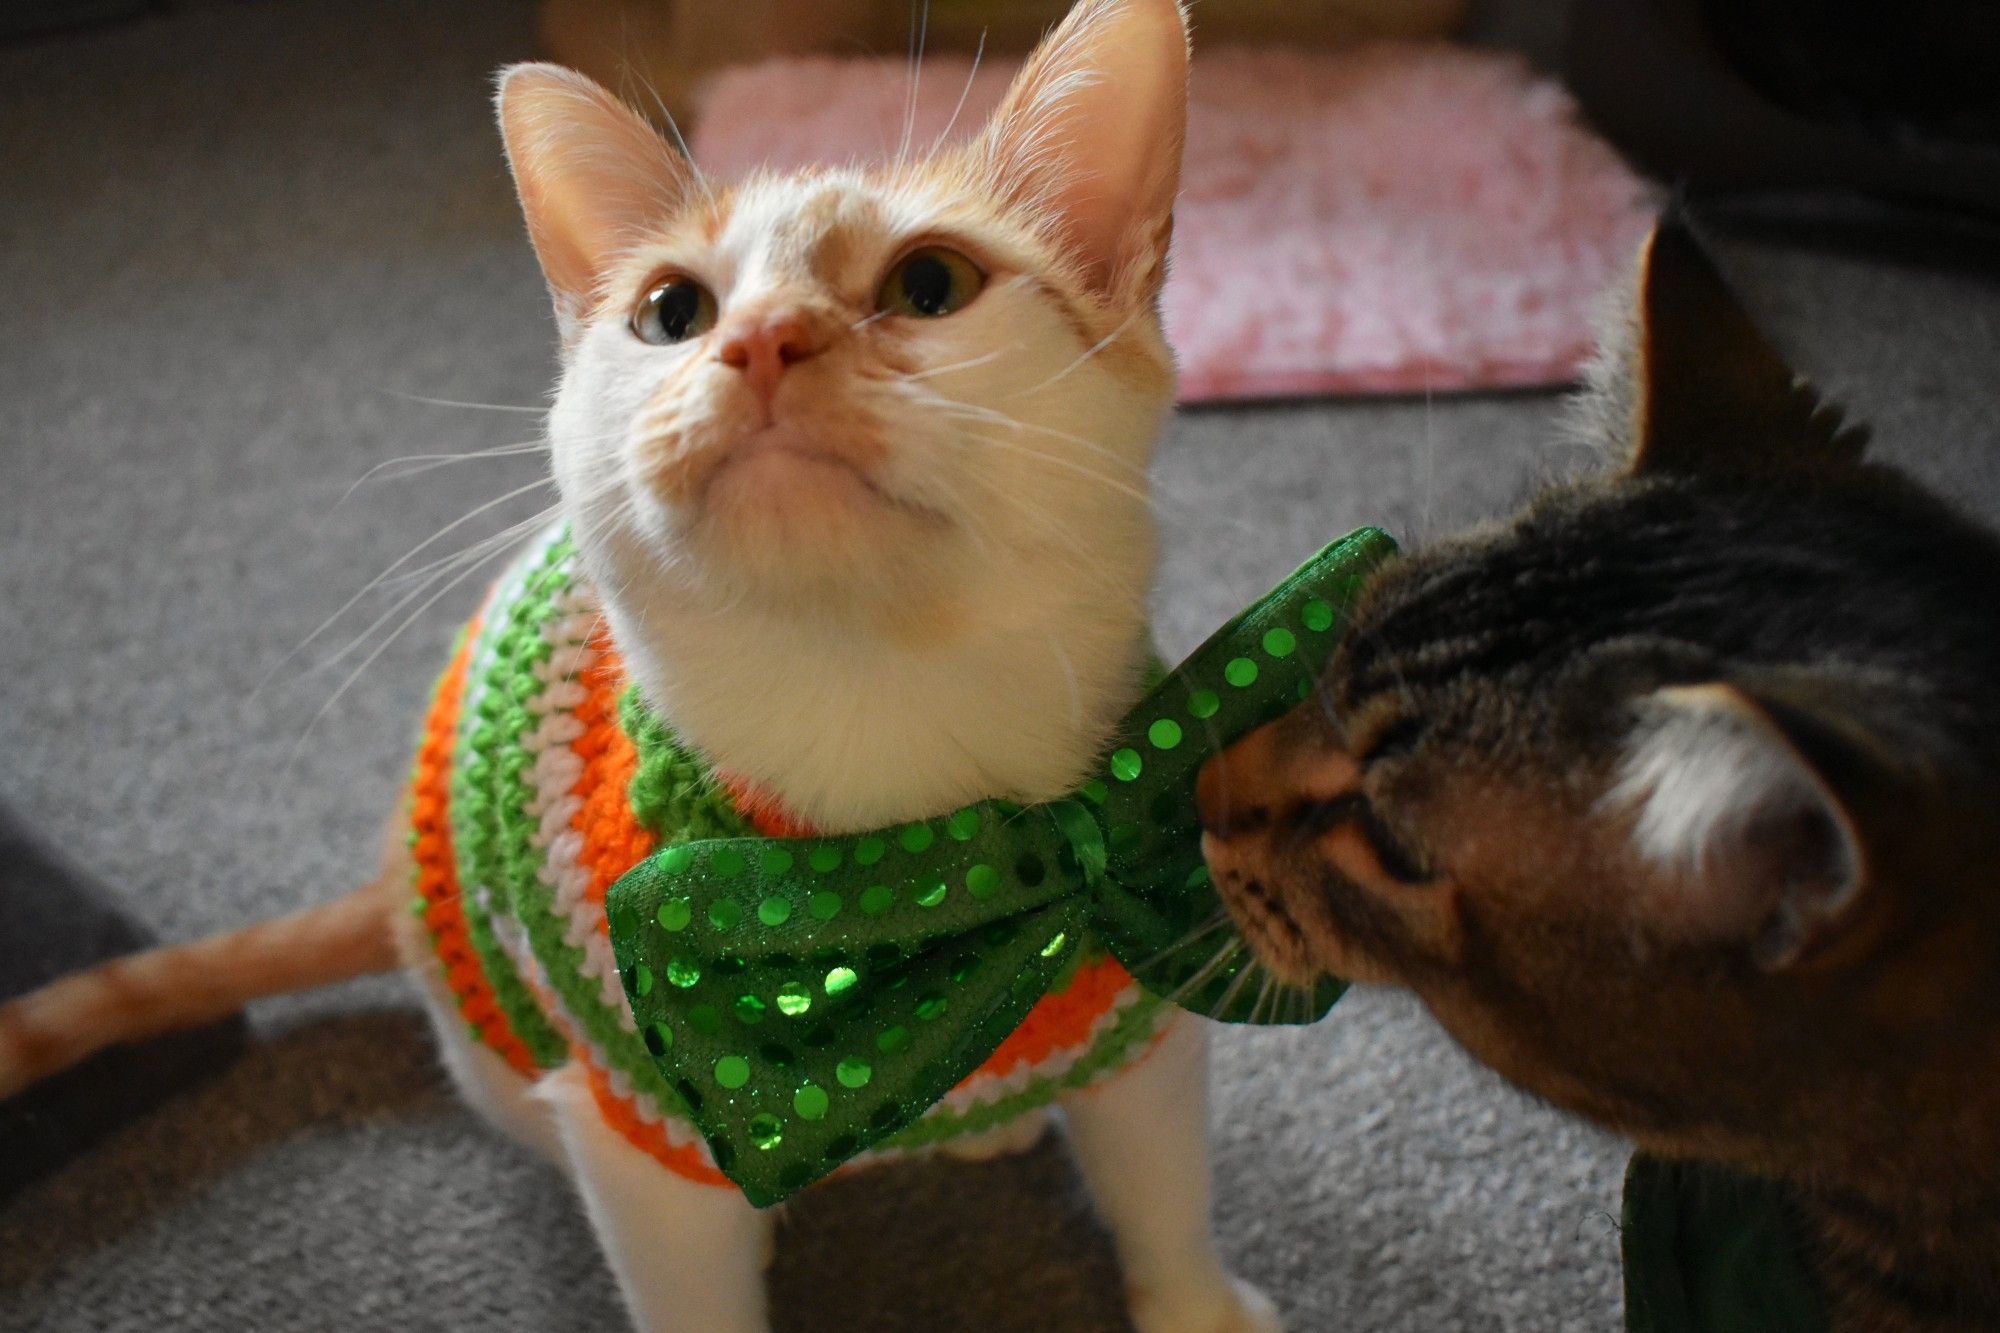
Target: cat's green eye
[674, 311]
[930, 283]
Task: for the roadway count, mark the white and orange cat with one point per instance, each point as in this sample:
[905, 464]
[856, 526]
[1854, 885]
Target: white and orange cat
[856, 462]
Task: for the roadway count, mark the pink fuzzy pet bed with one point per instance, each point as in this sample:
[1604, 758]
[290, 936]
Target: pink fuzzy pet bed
[1393, 219]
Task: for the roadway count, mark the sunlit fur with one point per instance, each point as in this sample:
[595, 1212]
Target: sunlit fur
[1690, 769]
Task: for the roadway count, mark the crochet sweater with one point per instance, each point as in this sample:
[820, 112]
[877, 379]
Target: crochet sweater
[541, 778]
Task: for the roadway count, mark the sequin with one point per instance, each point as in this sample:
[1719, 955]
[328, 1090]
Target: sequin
[877, 900]
[1316, 616]
[749, 1010]
[963, 966]
[869, 850]
[840, 980]
[774, 862]
[659, 1038]
[727, 863]
[705, 1019]
[766, 1131]
[1204, 704]
[724, 913]
[930, 1007]
[824, 905]
[1055, 946]
[732, 1071]
[917, 838]
[1241, 672]
[853, 1072]
[1165, 734]
[775, 911]
[1094, 791]
[774, 1054]
[1280, 642]
[1197, 877]
[963, 826]
[675, 914]
[1030, 870]
[642, 980]
[891, 1040]
[982, 881]
[933, 894]
[824, 860]
[676, 860]
[794, 999]
[1124, 838]
[811, 1102]
[1126, 765]
[683, 972]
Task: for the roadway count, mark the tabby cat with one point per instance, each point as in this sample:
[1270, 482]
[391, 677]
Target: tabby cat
[1673, 798]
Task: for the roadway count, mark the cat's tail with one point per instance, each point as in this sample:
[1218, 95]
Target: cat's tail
[186, 985]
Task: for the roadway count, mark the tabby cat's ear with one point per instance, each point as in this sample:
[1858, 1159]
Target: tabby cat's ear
[1088, 141]
[1737, 794]
[1703, 388]
[592, 176]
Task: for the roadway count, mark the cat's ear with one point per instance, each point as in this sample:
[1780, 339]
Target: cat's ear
[1088, 141]
[593, 175]
[1741, 797]
[1700, 386]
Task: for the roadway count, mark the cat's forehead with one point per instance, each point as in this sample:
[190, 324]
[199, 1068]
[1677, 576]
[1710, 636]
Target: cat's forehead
[827, 227]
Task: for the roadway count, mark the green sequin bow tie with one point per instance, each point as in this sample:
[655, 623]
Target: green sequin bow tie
[808, 998]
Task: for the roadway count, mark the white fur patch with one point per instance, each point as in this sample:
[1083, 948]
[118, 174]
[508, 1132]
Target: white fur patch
[1700, 768]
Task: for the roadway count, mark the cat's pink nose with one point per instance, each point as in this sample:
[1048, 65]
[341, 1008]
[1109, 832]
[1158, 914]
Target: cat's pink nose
[765, 346]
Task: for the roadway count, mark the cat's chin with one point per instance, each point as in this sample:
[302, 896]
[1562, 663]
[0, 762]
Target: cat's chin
[785, 512]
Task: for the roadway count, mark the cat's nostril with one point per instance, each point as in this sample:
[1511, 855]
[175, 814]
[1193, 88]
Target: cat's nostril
[764, 349]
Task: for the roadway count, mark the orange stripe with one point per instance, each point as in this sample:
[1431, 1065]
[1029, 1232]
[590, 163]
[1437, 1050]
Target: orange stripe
[437, 870]
[685, 1160]
[613, 840]
[1061, 1021]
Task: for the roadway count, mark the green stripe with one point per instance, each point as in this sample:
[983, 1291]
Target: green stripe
[477, 835]
[511, 682]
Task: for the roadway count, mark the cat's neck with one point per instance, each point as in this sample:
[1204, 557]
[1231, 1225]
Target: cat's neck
[852, 730]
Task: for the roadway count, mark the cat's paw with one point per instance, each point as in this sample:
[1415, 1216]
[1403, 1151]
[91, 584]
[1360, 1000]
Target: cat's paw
[1235, 1307]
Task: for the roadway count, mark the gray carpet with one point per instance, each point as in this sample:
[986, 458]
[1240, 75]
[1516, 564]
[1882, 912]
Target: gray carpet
[232, 244]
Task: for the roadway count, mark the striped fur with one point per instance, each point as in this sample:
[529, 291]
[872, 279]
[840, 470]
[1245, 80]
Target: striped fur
[1682, 785]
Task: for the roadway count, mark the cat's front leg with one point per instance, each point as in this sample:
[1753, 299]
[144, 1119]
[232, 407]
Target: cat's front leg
[689, 1257]
[1141, 1139]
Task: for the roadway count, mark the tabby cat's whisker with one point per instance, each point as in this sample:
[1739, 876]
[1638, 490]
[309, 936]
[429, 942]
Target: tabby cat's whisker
[1209, 927]
[1221, 1006]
